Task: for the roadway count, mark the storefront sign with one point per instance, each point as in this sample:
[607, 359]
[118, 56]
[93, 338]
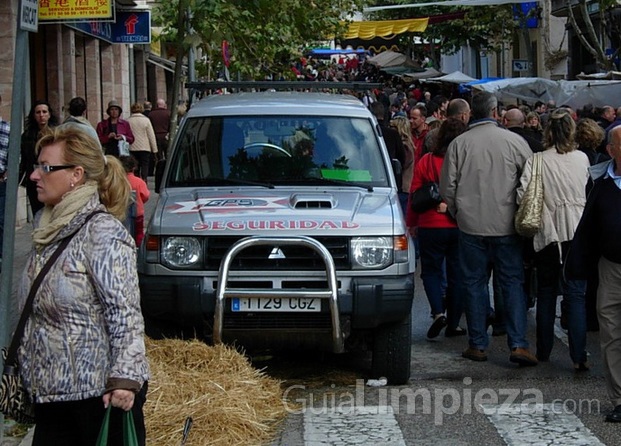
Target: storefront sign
[54, 10]
[129, 27]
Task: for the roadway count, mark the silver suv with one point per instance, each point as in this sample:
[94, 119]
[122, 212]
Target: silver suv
[278, 226]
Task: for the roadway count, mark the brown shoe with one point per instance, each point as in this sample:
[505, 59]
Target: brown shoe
[474, 354]
[522, 356]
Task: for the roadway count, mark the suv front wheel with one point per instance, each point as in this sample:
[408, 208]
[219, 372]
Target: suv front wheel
[392, 354]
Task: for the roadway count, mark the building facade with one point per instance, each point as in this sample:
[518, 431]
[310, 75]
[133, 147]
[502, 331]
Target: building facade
[64, 62]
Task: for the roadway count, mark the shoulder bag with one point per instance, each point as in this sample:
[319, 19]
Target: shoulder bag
[15, 402]
[528, 216]
[428, 195]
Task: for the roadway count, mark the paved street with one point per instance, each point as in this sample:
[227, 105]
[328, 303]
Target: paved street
[454, 401]
[448, 401]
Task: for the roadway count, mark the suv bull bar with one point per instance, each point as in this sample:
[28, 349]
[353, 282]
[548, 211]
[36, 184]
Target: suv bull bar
[223, 292]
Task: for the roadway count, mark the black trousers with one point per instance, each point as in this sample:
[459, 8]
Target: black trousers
[142, 157]
[77, 423]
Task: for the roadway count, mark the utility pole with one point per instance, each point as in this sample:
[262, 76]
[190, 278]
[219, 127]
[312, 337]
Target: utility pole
[23, 25]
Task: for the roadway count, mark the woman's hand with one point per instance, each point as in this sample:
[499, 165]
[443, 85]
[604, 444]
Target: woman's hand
[121, 398]
[442, 208]
[111, 135]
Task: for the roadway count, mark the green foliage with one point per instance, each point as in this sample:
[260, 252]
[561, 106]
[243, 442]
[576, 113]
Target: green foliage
[264, 35]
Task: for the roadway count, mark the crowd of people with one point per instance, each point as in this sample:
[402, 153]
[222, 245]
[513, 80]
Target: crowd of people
[481, 155]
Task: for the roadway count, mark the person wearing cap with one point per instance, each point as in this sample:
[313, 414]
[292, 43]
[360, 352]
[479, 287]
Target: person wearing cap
[114, 129]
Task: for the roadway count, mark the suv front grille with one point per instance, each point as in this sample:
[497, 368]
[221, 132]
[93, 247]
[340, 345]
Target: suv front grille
[293, 258]
[265, 321]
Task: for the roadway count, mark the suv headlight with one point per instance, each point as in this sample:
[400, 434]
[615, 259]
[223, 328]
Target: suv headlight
[371, 252]
[180, 252]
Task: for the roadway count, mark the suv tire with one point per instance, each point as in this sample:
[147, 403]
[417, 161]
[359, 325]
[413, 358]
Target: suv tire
[392, 354]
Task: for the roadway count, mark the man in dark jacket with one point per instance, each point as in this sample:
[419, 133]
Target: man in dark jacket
[514, 121]
[160, 119]
[597, 242]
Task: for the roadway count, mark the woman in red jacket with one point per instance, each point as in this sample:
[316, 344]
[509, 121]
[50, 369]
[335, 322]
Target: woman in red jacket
[438, 236]
[113, 130]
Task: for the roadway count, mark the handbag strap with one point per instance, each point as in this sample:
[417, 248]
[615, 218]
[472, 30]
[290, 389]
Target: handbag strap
[21, 325]
[538, 167]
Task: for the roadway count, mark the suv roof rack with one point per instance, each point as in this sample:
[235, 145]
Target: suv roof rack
[283, 85]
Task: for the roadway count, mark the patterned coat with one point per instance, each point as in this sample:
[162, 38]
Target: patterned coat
[85, 332]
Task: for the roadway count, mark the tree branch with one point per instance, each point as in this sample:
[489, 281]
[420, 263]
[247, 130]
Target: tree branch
[601, 56]
[579, 34]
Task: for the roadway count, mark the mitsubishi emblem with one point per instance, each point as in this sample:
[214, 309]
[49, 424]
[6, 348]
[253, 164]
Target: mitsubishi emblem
[276, 253]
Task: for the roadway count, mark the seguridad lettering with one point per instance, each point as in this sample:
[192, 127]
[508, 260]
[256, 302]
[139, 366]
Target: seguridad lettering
[273, 225]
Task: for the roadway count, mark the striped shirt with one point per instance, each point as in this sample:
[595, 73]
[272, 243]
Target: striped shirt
[4, 144]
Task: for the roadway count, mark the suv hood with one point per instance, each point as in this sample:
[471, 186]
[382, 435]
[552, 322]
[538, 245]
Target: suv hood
[283, 212]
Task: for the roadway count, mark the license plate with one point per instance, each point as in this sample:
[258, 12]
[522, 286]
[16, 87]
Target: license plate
[284, 304]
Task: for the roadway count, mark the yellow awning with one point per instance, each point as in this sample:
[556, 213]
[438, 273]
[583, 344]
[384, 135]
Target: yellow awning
[383, 28]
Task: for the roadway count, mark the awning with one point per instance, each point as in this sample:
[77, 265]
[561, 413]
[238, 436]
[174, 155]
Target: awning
[610, 75]
[166, 64]
[327, 52]
[456, 77]
[385, 28]
[445, 3]
[429, 72]
[392, 59]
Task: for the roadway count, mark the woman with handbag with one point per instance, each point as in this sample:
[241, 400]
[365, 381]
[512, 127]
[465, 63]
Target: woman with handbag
[82, 347]
[563, 172]
[115, 133]
[438, 236]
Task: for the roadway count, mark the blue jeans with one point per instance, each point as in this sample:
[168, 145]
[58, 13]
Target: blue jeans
[505, 254]
[439, 261]
[551, 283]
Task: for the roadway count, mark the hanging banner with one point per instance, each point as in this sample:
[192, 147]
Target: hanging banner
[54, 10]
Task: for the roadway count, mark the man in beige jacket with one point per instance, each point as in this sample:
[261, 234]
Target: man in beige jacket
[478, 182]
[144, 145]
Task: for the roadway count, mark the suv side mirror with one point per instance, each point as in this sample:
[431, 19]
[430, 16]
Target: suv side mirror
[159, 174]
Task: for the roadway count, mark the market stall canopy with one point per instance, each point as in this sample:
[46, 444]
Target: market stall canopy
[575, 94]
[392, 59]
[456, 77]
[610, 75]
[429, 72]
[527, 89]
[385, 28]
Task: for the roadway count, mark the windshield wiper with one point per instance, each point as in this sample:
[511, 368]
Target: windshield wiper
[220, 182]
[332, 182]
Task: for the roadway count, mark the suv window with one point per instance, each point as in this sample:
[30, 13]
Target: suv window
[277, 150]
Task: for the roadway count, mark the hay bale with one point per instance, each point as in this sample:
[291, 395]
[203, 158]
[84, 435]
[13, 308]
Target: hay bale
[230, 402]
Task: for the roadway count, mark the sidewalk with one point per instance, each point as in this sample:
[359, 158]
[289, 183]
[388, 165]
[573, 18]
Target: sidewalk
[23, 244]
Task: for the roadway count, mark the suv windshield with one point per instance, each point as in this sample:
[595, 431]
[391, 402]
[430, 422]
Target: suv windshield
[277, 150]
